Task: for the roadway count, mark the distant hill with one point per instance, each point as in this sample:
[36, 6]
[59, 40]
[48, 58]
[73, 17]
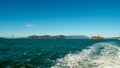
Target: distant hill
[77, 37]
[58, 36]
[46, 37]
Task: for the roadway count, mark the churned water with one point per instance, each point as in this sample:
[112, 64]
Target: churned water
[59, 53]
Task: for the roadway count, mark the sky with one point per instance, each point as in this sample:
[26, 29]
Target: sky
[60, 17]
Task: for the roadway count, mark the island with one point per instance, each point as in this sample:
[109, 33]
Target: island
[97, 37]
[58, 37]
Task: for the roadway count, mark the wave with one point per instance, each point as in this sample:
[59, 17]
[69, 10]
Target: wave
[99, 55]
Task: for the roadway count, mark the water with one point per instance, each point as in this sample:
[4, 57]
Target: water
[59, 53]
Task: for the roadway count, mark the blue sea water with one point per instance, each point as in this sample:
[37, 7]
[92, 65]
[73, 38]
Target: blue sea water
[59, 53]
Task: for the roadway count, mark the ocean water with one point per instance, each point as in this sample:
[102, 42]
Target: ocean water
[59, 53]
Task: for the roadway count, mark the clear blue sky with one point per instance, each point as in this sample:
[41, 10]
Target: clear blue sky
[55, 17]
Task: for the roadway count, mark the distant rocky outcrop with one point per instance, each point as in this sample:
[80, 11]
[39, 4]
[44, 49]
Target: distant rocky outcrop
[97, 37]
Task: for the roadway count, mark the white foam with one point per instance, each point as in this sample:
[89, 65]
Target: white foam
[99, 55]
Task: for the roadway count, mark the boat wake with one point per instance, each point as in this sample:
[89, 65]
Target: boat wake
[99, 55]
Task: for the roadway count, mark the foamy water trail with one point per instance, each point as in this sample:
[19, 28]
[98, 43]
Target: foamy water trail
[99, 55]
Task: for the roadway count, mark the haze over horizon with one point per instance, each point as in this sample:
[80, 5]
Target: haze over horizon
[60, 17]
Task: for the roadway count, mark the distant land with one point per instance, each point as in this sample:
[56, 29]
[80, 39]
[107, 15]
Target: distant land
[77, 37]
[60, 37]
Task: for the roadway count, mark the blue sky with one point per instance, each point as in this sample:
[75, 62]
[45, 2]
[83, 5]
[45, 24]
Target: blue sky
[55, 17]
